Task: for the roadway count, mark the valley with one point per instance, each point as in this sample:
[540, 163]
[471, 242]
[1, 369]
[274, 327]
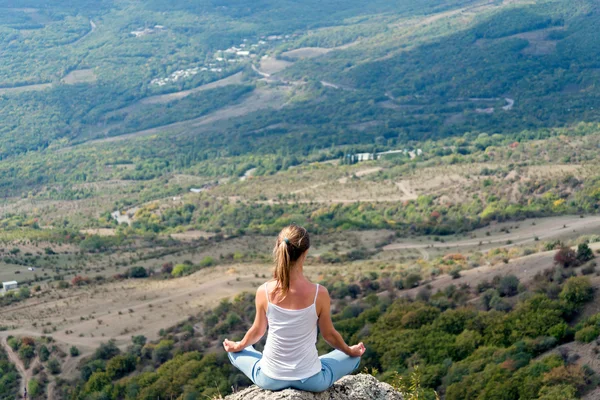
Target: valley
[443, 155]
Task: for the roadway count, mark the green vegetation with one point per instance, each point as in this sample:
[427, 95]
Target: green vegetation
[442, 341]
[9, 378]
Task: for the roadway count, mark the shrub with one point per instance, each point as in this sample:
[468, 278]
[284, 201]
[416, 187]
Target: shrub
[137, 272]
[508, 285]
[120, 365]
[587, 334]
[80, 280]
[577, 290]
[207, 262]
[570, 375]
[167, 268]
[33, 387]
[589, 269]
[74, 351]
[566, 257]
[139, 340]
[558, 392]
[181, 270]
[584, 253]
[455, 273]
[54, 366]
[412, 280]
[44, 353]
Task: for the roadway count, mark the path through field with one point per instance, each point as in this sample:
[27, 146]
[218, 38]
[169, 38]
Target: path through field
[544, 228]
[14, 358]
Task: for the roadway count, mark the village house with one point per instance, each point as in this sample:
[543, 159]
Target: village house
[8, 286]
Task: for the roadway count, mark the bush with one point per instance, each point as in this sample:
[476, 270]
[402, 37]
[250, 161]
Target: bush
[106, 351]
[167, 268]
[33, 387]
[140, 340]
[508, 286]
[74, 351]
[412, 280]
[587, 335]
[577, 290]
[589, 269]
[120, 365]
[455, 273]
[584, 253]
[54, 366]
[207, 262]
[566, 257]
[44, 353]
[137, 272]
[181, 270]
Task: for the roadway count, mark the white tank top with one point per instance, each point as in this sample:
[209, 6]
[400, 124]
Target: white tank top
[290, 352]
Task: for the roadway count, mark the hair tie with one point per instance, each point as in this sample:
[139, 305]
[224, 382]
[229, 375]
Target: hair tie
[286, 240]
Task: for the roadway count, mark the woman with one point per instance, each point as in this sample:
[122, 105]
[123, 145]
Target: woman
[293, 308]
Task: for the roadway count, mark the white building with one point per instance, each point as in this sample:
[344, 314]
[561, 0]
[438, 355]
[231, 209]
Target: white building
[8, 286]
[364, 157]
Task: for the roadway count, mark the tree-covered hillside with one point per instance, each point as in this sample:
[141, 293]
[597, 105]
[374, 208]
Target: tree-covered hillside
[404, 70]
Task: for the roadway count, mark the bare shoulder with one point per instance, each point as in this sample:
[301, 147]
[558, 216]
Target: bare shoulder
[261, 291]
[323, 290]
[323, 293]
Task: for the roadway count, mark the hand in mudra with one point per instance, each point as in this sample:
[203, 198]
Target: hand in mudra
[231, 347]
[357, 350]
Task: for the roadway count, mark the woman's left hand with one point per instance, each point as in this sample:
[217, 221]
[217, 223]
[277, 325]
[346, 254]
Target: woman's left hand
[232, 347]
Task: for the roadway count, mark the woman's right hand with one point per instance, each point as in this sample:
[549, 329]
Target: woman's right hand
[357, 350]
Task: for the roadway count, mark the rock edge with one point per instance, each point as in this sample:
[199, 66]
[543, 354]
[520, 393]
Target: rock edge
[356, 387]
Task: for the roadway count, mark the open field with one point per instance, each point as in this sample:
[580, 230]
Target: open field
[133, 307]
[271, 65]
[259, 99]
[367, 182]
[305, 52]
[80, 76]
[235, 79]
[22, 89]
[508, 234]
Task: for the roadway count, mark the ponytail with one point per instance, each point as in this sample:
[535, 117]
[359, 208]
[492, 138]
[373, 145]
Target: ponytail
[282, 268]
[292, 243]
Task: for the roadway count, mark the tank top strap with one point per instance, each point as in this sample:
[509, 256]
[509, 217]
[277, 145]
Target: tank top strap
[316, 294]
[267, 292]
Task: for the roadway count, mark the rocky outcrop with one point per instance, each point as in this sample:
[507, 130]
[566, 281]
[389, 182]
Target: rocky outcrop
[357, 387]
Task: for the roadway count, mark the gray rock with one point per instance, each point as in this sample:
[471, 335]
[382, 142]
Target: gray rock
[356, 387]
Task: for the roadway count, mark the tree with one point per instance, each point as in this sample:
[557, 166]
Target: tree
[106, 351]
[24, 293]
[566, 257]
[54, 366]
[167, 268]
[587, 334]
[181, 270]
[140, 340]
[584, 253]
[120, 365]
[577, 290]
[33, 387]
[508, 285]
[74, 351]
[137, 272]
[44, 353]
[558, 392]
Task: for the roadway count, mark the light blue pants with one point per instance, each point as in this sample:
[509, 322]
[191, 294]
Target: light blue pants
[335, 365]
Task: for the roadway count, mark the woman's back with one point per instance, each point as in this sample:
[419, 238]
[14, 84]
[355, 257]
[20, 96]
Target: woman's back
[290, 352]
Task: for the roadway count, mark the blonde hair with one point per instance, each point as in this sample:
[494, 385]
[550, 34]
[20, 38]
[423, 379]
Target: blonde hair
[293, 241]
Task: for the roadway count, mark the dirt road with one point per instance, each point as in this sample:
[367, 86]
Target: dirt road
[544, 228]
[14, 358]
